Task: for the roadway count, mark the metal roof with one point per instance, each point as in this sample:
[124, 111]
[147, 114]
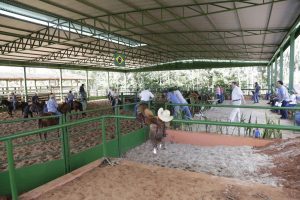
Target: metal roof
[85, 34]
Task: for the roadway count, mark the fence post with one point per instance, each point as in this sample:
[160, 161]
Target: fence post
[65, 144]
[117, 125]
[103, 137]
[11, 169]
[122, 99]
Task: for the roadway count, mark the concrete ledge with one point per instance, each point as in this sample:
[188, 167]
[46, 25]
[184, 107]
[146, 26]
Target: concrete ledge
[37, 192]
[212, 139]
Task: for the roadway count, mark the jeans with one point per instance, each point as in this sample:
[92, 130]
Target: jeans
[284, 113]
[187, 112]
[256, 97]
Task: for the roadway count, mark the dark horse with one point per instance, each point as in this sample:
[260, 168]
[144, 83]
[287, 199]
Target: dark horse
[9, 106]
[37, 108]
[65, 107]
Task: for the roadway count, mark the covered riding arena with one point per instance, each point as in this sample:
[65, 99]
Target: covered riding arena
[103, 152]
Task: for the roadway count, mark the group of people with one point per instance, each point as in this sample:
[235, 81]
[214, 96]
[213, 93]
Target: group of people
[52, 105]
[174, 96]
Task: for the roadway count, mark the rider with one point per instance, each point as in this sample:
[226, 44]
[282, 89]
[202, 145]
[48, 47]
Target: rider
[12, 98]
[83, 98]
[81, 90]
[35, 98]
[145, 97]
[70, 99]
[52, 105]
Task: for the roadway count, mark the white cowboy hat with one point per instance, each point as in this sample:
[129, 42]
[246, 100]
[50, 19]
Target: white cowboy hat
[164, 115]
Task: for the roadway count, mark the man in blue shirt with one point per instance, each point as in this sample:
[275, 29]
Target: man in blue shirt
[182, 100]
[52, 105]
[171, 97]
[283, 97]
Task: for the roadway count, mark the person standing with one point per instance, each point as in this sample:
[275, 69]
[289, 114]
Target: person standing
[237, 97]
[222, 94]
[218, 93]
[256, 92]
[283, 97]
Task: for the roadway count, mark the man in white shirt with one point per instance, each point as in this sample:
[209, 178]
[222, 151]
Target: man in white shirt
[146, 95]
[237, 97]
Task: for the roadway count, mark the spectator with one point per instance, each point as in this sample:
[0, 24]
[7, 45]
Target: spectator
[182, 100]
[283, 97]
[237, 97]
[12, 98]
[35, 98]
[256, 92]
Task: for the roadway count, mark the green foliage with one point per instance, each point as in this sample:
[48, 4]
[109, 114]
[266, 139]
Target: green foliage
[271, 133]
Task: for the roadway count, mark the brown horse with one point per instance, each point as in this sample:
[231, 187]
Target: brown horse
[65, 108]
[42, 123]
[157, 127]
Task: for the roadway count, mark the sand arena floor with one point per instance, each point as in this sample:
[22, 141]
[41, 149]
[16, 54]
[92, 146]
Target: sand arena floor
[134, 181]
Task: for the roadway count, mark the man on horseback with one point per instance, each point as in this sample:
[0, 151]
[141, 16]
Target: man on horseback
[70, 99]
[145, 96]
[12, 98]
[35, 99]
[52, 105]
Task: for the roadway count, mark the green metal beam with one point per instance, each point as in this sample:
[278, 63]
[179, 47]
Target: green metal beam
[292, 61]
[25, 84]
[276, 70]
[181, 65]
[56, 66]
[281, 64]
[268, 78]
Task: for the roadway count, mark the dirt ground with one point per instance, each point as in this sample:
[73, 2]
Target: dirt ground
[134, 181]
[286, 158]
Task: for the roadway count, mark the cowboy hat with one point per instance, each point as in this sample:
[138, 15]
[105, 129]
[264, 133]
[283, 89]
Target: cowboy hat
[164, 115]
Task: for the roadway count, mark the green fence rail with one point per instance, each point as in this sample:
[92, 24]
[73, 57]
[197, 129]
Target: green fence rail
[113, 147]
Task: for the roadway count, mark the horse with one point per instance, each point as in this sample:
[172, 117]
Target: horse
[37, 108]
[9, 106]
[65, 107]
[157, 127]
[42, 123]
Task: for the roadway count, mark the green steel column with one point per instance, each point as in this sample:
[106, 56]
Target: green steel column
[60, 85]
[11, 169]
[117, 125]
[268, 78]
[65, 144]
[103, 137]
[125, 82]
[292, 60]
[87, 84]
[25, 84]
[108, 80]
[271, 76]
[281, 64]
[276, 70]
